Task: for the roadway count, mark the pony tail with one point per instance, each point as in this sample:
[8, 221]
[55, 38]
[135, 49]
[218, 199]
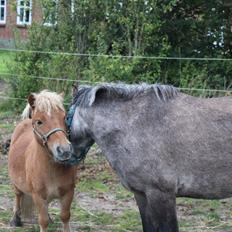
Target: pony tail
[26, 112]
[27, 208]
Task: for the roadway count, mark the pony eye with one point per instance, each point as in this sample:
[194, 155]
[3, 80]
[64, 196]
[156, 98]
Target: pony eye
[39, 123]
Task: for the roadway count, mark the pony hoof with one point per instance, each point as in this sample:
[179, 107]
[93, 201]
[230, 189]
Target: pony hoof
[16, 222]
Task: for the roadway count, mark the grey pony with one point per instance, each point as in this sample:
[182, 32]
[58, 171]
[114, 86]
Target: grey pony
[162, 144]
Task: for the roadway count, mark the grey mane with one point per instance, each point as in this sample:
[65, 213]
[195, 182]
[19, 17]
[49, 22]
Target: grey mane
[87, 95]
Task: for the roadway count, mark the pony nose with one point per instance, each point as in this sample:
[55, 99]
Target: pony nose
[64, 153]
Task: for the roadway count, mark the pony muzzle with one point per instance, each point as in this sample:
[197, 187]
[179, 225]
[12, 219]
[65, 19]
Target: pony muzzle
[63, 153]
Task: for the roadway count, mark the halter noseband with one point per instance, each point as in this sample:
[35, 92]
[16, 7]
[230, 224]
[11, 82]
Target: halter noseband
[44, 137]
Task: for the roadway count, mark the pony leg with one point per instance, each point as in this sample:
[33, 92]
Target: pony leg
[143, 209]
[42, 207]
[66, 202]
[162, 209]
[16, 219]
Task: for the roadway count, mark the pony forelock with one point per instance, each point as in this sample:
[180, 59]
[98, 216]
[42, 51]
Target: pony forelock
[48, 101]
[45, 101]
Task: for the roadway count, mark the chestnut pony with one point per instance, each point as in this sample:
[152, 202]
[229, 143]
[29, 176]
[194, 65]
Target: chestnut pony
[39, 151]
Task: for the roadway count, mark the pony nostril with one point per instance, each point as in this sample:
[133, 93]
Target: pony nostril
[67, 155]
[64, 154]
[59, 150]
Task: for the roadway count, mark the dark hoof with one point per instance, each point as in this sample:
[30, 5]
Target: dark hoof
[16, 222]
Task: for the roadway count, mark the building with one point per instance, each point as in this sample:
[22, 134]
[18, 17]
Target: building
[15, 18]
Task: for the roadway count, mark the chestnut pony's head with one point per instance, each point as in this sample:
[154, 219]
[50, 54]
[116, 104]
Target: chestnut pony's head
[47, 113]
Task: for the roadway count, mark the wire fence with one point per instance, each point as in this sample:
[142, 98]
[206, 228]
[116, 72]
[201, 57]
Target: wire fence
[225, 91]
[98, 82]
[115, 56]
[23, 99]
[184, 89]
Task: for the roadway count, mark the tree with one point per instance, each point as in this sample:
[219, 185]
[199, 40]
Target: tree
[147, 28]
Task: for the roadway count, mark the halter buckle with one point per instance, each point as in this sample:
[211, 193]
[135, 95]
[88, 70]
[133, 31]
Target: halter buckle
[44, 139]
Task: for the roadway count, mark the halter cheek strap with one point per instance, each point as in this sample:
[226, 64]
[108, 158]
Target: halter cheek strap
[44, 137]
[69, 117]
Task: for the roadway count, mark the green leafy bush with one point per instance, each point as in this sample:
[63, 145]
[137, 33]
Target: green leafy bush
[126, 28]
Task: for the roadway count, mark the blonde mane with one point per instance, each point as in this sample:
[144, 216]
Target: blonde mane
[45, 101]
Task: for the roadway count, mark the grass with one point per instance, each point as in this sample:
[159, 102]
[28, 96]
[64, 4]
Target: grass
[197, 213]
[7, 127]
[95, 187]
[5, 60]
[4, 115]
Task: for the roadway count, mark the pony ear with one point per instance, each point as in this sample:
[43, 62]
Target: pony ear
[31, 100]
[74, 89]
[97, 93]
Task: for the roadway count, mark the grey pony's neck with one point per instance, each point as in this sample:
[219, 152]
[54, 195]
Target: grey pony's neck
[86, 95]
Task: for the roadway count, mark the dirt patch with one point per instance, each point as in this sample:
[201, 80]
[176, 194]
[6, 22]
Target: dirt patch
[4, 146]
[106, 203]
